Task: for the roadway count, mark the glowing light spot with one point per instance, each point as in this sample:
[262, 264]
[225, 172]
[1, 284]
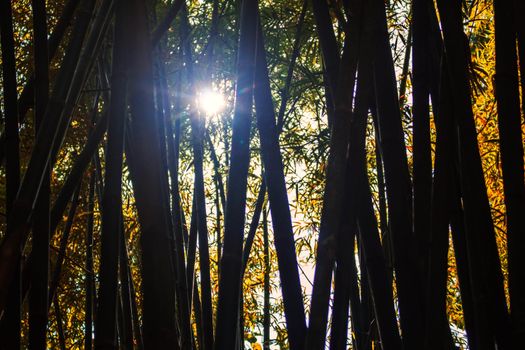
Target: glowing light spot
[211, 102]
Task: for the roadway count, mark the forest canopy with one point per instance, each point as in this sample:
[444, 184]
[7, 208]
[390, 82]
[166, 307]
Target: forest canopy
[262, 174]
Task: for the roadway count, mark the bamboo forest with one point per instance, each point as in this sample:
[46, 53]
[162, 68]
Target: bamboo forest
[262, 174]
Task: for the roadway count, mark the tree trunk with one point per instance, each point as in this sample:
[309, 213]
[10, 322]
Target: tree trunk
[334, 188]
[111, 206]
[90, 278]
[422, 161]
[38, 295]
[40, 159]
[266, 306]
[230, 281]
[157, 270]
[399, 192]
[197, 134]
[487, 279]
[278, 199]
[10, 287]
[55, 278]
[511, 147]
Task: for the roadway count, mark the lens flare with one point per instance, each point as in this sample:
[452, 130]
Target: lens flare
[211, 102]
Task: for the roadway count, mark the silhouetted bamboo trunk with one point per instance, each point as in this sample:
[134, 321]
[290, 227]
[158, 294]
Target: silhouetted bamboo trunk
[334, 191]
[191, 250]
[399, 192]
[382, 295]
[30, 186]
[146, 166]
[278, 199]
[240, 328]
[280, 122]
[346, 288]
[356, 314]
[121, 331]
[190, 263]
[26, 100]
[197, 134]
[193, 291]
[216, 172]
[60, 327]
[160, 116]
[511, 146]
[342, 281]
[330, 53]
[173, 141]
[487, 280]
[230, 282]
[444, 204]
[134, 311]
[198, 317]
[285, 93]
[218, 228]
[212, 38]
[254, 224]
[27, 268]
[446, 171]
[38, 296]
[204, 256]
[459, 239]
[85, 64]
[422, 162]
[126, 339]
[366, 312]
[519, 7]
[373, 264]
[329, 47]
[386, 236]
[406, 62]
[77, 170]
[55, 278]
[10, 320]
[105, 336]
[164, 25]
[90, 278]
[437, 331]
[266, 306]
[345, 284]
[176, 214]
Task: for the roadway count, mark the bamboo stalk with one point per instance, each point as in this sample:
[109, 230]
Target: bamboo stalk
[111, 205]
[278, 199]
[148, 180]
[197, 140]
[38, 295]
[26, 98]
[30, 186]
[399, 192]
[126, 339]
[55, 278]
[172, 159]
[230, 282]
[486, 276]
[266, 306]
[10, 317]
[422, 161]
[334, 190]
[60, 326]
[511, 147]
[90, 278]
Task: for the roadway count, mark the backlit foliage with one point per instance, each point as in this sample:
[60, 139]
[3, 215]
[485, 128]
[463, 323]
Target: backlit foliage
[304, 147]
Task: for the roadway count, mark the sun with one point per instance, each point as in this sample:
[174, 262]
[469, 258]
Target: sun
[211, 102]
